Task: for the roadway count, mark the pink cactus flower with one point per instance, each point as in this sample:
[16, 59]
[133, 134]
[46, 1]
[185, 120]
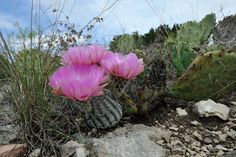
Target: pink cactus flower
[88, 54]
[79, 82]
[125, 66]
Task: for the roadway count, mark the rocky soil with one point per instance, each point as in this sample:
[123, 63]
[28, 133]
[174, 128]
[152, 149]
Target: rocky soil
[172, 129]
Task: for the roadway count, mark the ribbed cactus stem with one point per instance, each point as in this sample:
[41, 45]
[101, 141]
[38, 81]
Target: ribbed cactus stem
[106, 111]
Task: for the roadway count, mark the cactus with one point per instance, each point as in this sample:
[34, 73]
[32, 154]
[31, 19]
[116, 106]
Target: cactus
[189, 37]
[182, 56]
[210, 75]
[144, 93]
[105, 112]
[196, 33]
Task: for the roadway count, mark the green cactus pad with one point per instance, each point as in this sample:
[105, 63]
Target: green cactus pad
[190, 36]
[196, 33]
[182, 56]
[210, 75]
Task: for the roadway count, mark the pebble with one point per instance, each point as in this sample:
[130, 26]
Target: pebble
[187, 138]
[222, 137]
[196, 143]
[210, 147]
[196, 134]
[197, 149]
[195, 122]
[204, 148]
[181, 112]
[35, 153]
[232, 133]
[220, 147]
[220, 153]
[215, 141]
[160, 142]
[173, 128]
[233, 102]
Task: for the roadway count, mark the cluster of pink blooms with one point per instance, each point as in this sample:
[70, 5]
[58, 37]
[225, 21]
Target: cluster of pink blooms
[86, 69]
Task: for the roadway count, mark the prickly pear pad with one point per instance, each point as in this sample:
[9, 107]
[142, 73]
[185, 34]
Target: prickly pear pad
[210, 75]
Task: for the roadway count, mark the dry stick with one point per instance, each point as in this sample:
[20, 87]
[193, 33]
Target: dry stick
[81, 31]
[5, 47]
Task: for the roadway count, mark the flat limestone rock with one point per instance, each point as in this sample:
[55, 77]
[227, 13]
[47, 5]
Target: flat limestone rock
[133, 141]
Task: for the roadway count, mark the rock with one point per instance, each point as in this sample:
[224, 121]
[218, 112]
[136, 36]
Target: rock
[210, 147]
[160, 142]
[166, 135]
[81, 152]
[181, 112]
[196, 143]
[220, 153]
[188, 138]
[195, 122]
[231, 133]
[220, 147]
[177, 147]
[222, 137]
[13, 150]
[210, 108]
[173, 128]
[233, 102]
[195, 148]
[204, 148]
[196, 134]
[72, 148]
[215, 141]
[207, 140]
[230, 154]
[225, 129]
[198, 155]
[35, 153]
[7, 134]
[133, 141]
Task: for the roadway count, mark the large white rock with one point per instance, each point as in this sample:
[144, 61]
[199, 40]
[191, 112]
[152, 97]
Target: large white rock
[136, 141]
[211, 108]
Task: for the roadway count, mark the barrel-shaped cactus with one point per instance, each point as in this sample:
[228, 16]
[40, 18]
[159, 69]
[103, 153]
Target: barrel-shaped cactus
[106, 111]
